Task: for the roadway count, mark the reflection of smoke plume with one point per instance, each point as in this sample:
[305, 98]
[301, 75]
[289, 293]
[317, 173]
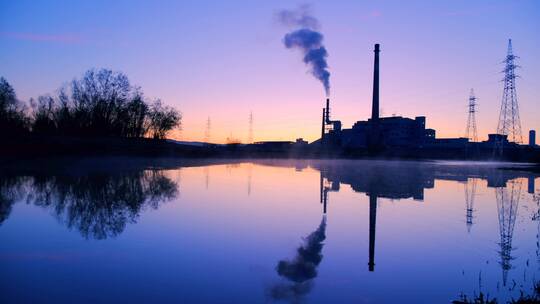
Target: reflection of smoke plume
[308, 40]
[303, 268]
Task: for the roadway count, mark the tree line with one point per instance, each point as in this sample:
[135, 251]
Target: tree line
[101, 103]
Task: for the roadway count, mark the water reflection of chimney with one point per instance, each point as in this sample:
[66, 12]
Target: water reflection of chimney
[324, 189]
[530, 185]
[321, 192]
[372, 222]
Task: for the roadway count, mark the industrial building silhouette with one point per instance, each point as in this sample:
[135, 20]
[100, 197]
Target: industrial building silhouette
[407, 137]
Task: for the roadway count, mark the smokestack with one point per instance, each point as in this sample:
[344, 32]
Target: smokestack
[375, 103]
[322, 125]
[327, 110]
[532, 138]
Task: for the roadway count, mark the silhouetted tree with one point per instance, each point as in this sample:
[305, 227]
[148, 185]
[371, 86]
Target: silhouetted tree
[162, 119]
[44, 115]
[13, 120]
[102, 103]
[135, 116]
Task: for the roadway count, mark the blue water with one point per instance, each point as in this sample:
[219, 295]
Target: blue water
[162, 230]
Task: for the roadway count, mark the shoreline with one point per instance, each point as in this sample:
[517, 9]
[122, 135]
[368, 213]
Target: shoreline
[45, 147]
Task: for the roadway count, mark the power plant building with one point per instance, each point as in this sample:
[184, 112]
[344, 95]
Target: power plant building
[376, 132]
[398, 136]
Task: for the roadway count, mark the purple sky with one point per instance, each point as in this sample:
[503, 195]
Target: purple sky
[223, 59]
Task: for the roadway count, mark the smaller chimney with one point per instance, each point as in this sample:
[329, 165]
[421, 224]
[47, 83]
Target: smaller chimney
[322, 126]
[532, 138]
[327, 110]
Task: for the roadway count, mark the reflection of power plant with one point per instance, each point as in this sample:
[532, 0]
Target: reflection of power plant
[372, 223]
[400, 136]
[393, 182]
[406, 180]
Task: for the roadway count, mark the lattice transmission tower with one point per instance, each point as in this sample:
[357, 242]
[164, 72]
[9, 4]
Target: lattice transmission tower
[471, 132]
[250, 134]
[509, 122]
[207, 130]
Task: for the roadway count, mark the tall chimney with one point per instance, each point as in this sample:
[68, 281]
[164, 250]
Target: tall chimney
[375, 103]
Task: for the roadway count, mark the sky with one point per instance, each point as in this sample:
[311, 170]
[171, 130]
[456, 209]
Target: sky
[226, 59]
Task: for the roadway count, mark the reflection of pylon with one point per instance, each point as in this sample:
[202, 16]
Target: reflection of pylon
[250, 167]
[536, 217]
[470, 193]
[206, 176]
[507, 206]
[471, 132]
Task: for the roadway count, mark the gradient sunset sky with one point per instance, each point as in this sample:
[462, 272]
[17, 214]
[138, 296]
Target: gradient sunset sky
[223, 59]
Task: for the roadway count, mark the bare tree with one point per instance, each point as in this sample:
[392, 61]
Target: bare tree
[102, 103]
[12, 111]
[162, 119]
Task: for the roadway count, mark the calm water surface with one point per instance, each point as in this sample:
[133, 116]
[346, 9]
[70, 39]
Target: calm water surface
[132, 230]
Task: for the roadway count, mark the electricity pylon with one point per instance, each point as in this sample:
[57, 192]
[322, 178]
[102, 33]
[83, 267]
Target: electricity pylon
[509, 122]
[471, 132]
[250, 134]
[207, 130]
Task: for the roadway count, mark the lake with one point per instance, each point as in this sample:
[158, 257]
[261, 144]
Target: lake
[120, 230]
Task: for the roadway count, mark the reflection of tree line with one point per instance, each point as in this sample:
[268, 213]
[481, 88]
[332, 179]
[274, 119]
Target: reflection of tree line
[11, 190]
[99, 205]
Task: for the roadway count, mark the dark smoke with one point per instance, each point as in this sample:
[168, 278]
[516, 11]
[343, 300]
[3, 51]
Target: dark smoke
[302, 269]
[306, 38]
[299, 17]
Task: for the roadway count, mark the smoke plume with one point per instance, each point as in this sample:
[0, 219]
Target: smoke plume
[309, 40]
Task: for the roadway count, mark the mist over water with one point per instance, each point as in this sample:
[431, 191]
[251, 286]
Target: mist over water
[267, 231]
